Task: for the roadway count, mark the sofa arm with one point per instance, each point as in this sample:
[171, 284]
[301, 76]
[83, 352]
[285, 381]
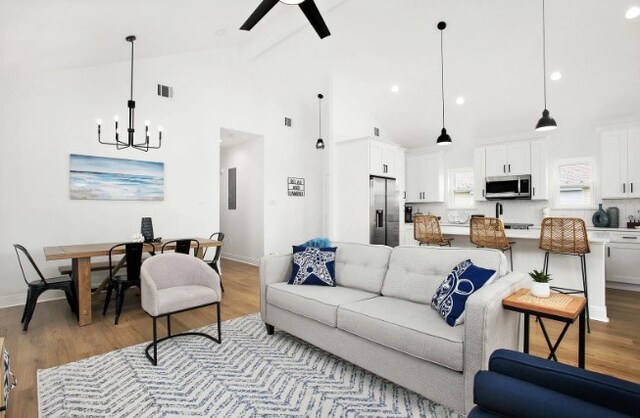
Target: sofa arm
[488, 326]
[273, 269]
[506, 396]
[592, 387]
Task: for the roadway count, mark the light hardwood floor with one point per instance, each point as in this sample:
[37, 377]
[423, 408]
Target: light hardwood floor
[54, 337]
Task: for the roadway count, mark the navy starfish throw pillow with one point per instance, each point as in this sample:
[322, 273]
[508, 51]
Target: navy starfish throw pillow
[451, 297]
[314, 266]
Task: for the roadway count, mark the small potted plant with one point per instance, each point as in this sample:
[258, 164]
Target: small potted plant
[540, 286]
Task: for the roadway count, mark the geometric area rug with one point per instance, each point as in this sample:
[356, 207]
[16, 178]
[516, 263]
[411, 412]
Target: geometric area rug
[251, 374]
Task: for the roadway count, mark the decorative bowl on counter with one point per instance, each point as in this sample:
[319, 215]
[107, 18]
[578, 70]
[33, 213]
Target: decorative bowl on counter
[457, 217]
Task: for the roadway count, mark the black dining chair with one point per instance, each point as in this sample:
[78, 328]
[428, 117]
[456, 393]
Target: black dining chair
[133, 256]
[216, 236]
[183, 246]
[39, 286]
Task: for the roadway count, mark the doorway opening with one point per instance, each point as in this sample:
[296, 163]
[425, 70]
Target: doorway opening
[242, 195]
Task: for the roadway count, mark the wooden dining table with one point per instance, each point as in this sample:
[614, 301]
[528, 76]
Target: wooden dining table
[80, 256]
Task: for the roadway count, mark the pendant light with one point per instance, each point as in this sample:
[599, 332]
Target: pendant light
[320, 142]
[444, 138]
[546, 122]
[131, 105]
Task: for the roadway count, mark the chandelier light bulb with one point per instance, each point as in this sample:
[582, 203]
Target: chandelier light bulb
[99, 121]
[115, 118]
[146, 122]
[160, 129]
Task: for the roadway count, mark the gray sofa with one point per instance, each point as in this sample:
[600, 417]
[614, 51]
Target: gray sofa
[379, 315]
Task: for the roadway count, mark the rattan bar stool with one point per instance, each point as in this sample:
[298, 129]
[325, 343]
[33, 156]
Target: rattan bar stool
[489, 233]
[566, 236]
[426, 230]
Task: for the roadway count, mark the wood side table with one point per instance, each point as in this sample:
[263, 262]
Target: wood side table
[559, 307]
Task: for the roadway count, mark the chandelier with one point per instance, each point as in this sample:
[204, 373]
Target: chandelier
[131, 104]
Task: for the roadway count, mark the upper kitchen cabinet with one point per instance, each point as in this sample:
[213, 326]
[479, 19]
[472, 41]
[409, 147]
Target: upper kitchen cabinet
[508, 159]
[479, 175]
[539, 178]
[619, 154]
[425, 177]
[383, 159]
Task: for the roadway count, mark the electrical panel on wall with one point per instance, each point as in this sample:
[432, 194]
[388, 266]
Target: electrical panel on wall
[165, 91]
[288, 122]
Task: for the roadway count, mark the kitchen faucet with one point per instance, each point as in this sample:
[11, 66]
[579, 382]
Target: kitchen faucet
[498, 209]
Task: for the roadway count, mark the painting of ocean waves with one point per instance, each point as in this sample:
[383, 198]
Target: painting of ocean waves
[100, 178]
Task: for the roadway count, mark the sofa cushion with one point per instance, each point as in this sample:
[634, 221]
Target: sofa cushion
[315, 302]
[361, 266]
[412, 328]
[416, 272]
[313, 266]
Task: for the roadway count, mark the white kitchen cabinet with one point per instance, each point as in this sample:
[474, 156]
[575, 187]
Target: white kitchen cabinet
[622, 264]
[508, 159]
[479, 174]
[425, 177]
[539, 177]
[619, 156]
[382, 159]
[354, 159]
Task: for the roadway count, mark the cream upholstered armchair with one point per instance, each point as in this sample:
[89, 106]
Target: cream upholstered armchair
[172, 283]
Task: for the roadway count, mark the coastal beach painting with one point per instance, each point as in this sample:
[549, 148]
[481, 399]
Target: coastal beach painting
[100, 178]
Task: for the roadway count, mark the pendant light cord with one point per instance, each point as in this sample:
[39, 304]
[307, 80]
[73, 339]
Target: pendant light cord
[442, 73]
[544, 55]
[131, 95]
[319, 117]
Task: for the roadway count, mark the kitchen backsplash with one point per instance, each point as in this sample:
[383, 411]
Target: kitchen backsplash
[526, 211]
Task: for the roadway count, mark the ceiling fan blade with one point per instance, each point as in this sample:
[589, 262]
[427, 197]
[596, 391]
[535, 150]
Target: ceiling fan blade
[310, 10]
[258, 14]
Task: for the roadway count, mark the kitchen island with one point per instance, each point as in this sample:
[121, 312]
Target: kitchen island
[565, 270]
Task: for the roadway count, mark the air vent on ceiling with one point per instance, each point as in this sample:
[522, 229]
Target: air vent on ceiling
[287, 122]
[165, 91]
[376, 131]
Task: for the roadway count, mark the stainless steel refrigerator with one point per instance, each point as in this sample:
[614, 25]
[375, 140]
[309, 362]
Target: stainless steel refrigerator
[384, 212]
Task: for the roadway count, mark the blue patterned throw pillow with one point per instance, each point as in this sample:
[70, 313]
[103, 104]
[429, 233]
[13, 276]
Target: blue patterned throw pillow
[314, 266]
[452, 295]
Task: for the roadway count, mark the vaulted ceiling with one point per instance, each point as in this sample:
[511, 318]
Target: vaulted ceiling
[493, 52]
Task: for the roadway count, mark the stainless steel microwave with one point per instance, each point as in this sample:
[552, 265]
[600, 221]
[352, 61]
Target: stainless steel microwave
[508, 187]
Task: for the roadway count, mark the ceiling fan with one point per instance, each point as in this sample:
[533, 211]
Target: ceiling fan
[308, 7]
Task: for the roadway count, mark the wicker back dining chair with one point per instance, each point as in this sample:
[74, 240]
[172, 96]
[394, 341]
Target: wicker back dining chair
[566, 236]
[41, 285]
[120, 283]
[182, 246]
[426, 230]
[215, 262]
[486, 232]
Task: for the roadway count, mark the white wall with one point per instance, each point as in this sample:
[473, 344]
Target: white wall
[47, 116]
[244, 226]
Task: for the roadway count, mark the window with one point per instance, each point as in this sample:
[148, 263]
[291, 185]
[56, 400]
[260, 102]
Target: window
[461, 188]
[574, 183]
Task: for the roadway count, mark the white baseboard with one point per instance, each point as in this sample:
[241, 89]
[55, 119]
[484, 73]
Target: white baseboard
[242, 259]
[598, 313]
[623, 286]
[19, 299]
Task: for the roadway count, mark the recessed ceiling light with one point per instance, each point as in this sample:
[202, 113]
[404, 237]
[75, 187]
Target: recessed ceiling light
[460, 100]
[633, 12]
[556, 75]
[395, 88]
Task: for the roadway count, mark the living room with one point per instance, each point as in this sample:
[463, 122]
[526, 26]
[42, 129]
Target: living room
[386, 69]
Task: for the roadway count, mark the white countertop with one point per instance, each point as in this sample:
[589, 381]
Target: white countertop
[597, 235]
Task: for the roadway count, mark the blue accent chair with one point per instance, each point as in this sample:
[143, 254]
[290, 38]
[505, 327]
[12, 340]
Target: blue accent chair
[520, 385]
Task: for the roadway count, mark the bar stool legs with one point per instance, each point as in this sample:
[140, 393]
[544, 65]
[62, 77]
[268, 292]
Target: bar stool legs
[585, 289]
